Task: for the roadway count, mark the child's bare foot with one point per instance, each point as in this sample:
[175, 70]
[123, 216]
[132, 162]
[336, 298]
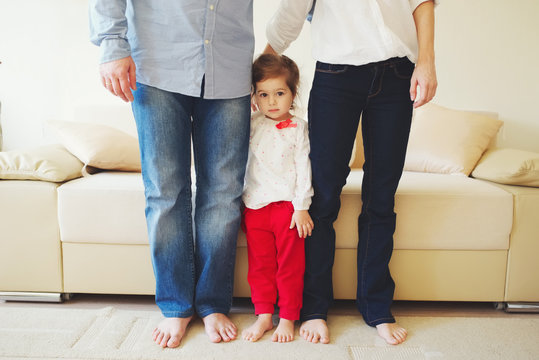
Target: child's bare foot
[284, 331]
[315, 330]
[261, 325]
[392, 333]
[170, 331]
[219, 327]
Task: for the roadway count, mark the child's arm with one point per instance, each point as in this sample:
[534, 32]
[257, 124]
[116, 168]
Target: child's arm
[304, 190]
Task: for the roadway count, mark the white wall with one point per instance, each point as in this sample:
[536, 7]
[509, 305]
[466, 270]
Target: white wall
[487, 56]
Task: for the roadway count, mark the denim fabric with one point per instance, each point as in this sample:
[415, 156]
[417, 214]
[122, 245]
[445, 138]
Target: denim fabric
[193, 263]
[379, 93]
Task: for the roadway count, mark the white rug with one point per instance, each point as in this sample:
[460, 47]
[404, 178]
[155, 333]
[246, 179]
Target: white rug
[119, 334]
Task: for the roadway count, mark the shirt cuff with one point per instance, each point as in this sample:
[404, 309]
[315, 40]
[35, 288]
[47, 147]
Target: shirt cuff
[114, 49]
[301, 204]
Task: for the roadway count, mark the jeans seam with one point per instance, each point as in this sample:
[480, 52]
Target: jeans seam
[368, 235]
[380, 83]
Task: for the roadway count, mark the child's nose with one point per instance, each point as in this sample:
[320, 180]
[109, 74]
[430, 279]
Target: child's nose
[272, 100]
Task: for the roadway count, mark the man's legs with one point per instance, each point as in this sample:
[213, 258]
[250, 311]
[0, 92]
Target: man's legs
[385, 126]
[220, 141]
[164, 129]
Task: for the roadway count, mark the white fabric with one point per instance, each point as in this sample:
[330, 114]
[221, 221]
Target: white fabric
[278, 168]
[106, 208]
[349, 31]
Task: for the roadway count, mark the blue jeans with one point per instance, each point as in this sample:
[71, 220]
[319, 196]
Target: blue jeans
[193, 263]
[379, 92]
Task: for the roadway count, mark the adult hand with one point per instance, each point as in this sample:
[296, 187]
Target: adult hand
[424, 76]
[119, 77]
[302, 220]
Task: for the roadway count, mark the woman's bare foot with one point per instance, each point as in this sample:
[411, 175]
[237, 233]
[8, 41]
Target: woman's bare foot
[315, 330]
[284, 331]
[219, 327]
[392, 333]
[170, 331]
[261, 325]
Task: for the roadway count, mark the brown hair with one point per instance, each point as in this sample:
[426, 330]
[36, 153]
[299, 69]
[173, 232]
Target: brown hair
[268, 66]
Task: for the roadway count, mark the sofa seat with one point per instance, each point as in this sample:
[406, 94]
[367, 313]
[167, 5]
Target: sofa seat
[448, 227]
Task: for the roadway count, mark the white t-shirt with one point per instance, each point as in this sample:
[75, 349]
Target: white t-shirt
[350, 32]
[278, 167]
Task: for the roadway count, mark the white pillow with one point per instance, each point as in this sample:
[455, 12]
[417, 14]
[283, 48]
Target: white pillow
[448, 141]
[49, 163]
[99, 146]
[509, 166]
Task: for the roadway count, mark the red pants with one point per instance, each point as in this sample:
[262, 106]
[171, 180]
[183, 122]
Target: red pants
[276, 259]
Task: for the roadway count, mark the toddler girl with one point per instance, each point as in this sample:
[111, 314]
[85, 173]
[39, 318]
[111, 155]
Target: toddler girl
[277, 197]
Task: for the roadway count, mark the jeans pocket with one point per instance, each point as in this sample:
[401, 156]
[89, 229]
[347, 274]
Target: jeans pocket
[403, 69]
[330, 68]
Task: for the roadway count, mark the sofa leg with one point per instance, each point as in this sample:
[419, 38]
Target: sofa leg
[33, 296]
[522, 307]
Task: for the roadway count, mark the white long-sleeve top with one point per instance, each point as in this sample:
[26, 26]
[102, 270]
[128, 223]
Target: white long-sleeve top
[349, 32]
[278, 166]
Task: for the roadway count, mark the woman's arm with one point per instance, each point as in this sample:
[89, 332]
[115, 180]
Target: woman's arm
[286, 24]
[425, 71]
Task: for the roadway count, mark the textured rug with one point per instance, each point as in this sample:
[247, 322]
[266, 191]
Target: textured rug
[120, 334]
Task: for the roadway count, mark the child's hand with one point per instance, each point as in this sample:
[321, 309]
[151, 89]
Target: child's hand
[302, 220]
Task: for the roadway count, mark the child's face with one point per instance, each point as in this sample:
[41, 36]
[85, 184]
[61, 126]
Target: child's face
[274, 98]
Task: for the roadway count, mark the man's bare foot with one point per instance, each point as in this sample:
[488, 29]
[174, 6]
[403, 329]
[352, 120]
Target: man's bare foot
[284, 331]
[219, 327]
[170, 331]
[392, 333]
[315, 330]
[261, 325]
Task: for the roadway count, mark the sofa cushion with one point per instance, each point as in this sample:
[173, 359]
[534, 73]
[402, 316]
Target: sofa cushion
[509, 166]
[448, 141]
[436, 211]
[107, 207]
[48, 163]
[99, 146]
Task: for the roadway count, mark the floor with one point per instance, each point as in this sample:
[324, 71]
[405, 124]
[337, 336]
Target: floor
[243, 305]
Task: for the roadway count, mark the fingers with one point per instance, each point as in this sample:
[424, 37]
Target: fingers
[305, 230]
[426, 93]
[119, 77]
[413, 88]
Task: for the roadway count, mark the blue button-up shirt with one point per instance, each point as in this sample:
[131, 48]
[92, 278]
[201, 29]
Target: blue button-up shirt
[175, 44]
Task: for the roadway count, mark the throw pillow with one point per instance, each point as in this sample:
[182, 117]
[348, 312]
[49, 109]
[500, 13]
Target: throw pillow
[49, 163]
[99, 146]
[509, 166]
[448, 141]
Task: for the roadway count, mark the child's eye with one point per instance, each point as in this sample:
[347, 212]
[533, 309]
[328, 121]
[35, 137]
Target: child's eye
[280, 93]
[262, 94]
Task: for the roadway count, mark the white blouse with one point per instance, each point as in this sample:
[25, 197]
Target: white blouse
[278, 167]
[349, 32]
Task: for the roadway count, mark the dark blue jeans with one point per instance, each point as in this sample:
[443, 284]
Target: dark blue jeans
[379, 93]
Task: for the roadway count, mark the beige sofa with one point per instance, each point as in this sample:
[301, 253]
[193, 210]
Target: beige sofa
[458, 239]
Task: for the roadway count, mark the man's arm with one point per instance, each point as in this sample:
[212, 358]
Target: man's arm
[108, 30]
[424, 74]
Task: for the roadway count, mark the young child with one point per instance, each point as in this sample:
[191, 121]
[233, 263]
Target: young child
[277, 197]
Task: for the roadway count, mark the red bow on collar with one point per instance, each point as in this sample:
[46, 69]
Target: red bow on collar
[286, 124]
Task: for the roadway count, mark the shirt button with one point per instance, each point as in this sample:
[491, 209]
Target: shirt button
[206, 42]
[212, 7]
